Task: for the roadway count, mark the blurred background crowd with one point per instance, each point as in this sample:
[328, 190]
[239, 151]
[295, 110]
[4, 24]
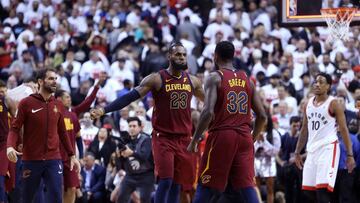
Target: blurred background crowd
[122, 41]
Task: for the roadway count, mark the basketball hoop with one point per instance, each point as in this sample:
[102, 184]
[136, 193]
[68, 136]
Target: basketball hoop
[338, 21]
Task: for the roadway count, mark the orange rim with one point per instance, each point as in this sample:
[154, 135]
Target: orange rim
[335, 10]
[339, 12]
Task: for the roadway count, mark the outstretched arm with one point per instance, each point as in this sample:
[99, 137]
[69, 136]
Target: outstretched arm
[149, 83]
[344, 132]
[85, 105]
[211, 85]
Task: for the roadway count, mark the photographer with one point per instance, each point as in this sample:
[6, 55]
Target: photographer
[136, 160]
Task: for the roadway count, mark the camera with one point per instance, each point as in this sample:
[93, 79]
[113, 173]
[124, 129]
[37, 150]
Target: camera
[123, 140]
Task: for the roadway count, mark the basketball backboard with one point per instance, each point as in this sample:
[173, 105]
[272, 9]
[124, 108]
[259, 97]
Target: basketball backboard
[307, 12]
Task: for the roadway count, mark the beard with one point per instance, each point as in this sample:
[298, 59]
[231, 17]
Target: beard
[178, 66]
[49, 88]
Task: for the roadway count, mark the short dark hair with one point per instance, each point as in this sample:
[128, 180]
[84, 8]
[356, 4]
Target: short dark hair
[326, 76]
[173, 45]
[2, 83]
[90, 154]
[225, 50]
[31, 79]
[131, 119]
[295, 119]
[41, 74]
[59, 93]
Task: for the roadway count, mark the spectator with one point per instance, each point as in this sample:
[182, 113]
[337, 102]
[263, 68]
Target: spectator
[344, 185]
[79, 95]
[190, 29]
[37, 51]
[284, 96]
[326, 65]
[119, 72]
[97, 42]
[25, 65]
[124, 115]
[347, 74]
[165, 32]
[266, 149]
[154, 61]
[93, 185]
[290, 175]
[111, 172]
[215, 27]
[112, 33]
[91, 68]
[138, 164]
[107, 91]
[283, 116]
[72, 68]
[6, 48]
[88, 130]
[77, 22]
[270, 90]
[133, 18]
[102, 146]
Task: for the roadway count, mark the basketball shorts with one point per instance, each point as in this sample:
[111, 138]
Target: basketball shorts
[228, 158]
[320, 168]
[71, 178]
[171, 158]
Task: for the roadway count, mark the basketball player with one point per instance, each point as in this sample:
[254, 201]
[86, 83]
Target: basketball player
[7, 107]
[322, 115]
[41, 117]
[228, 159]
[72, 126]
[172, 89]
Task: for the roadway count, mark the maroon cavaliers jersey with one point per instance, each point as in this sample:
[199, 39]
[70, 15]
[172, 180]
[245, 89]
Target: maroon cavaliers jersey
[72, 127]
[233, 105]
[4, 123]
[172, 114]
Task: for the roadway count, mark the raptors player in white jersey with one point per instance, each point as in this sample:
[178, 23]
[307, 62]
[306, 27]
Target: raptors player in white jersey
[323, 117]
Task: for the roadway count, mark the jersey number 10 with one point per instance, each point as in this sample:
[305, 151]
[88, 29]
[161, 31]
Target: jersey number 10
[237, 102]
[315, 125]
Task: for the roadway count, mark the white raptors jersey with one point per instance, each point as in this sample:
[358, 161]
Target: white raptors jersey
[322, 127]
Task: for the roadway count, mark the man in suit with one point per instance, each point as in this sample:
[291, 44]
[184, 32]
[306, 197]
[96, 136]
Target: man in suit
[93, 184]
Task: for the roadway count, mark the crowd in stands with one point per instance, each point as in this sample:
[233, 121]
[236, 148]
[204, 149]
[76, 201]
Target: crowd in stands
[125, 40]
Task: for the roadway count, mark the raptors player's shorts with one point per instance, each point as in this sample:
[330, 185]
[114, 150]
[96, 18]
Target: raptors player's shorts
[4, 163]
[320, 168]
[71, 178]
[228, 158]
[171, 158]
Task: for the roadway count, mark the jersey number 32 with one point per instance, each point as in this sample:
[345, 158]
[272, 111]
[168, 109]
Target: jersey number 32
[237, 102]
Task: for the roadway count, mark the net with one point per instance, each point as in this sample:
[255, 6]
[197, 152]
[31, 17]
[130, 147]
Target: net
[338, 21]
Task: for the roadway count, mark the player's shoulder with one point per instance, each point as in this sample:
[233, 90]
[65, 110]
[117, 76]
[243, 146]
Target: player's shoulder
[213, 79]
[195, 80]
[153, 77]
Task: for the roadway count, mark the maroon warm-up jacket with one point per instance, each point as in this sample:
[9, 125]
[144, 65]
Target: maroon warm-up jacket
[43, 123]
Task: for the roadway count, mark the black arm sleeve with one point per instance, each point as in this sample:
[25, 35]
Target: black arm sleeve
[123, 101]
